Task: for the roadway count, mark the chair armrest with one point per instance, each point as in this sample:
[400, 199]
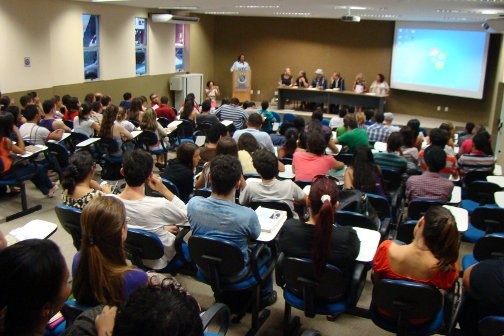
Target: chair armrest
[280, 281]
[217, 310]
[254, 260]
[179, 240]
[384, 227]
[357, 283]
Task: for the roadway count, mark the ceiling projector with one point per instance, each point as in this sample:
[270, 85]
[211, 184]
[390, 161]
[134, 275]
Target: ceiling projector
[350, 18]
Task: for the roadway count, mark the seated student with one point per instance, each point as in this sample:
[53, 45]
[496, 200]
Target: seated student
[360, 117]
[269, 188]
[430, 184]
[481, 158]
[450, 129]
[439, 137]
[378, 131]
[409, 150]
[126, 102]
[467, 144]
[121, 120]
[430, 259]
[188, 114]
[466, 133]
[313, 162]
[363, 174]
[153, 310]
[319, 239]
[392, 158]
[32, 132]
[100, 272]
[414, 124]
[484, 294]
[180, 170]
[291, 144]
[112, 130]
[218, 216]
[158, 215]
[10, 168]
[165, 111]
[33, 286]
[83, 123]
[267, 116]
[337, 121]
[149, 123]
[205, 117]
[215, 133]
[249, 107]
[233, 112]
[254, 124]
[79, 187]
[49, 121]
[354, 137]
[73, 108]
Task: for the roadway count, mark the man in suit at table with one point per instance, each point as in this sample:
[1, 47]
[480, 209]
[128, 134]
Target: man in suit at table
[319, 82]
[337, 82]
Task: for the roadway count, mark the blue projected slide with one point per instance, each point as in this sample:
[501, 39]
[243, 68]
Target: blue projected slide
[437, 60]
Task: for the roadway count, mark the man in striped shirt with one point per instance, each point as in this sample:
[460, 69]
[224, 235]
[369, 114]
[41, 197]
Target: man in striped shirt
[478, 159]
[392, 159]
[233, 112]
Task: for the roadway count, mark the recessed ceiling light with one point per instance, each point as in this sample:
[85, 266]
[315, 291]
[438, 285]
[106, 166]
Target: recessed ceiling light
[222, 13]
[180, 7]
[257, 6]
[352, 7]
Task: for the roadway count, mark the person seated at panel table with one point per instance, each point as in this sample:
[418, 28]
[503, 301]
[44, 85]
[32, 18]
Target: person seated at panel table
[218, 216]
[430, 184]
[484, 294]
[101, 274]
[301, 80]
[319, 82]
[481, 158]
[392, 158]
[79, 187]
[337, 82]
[439, 137]
[313, 162]
[359, 85]
[318, 238]
[363, 173]
[269, 188]
[431, 258]
[353, 137]
[286, 78]
[380, 86]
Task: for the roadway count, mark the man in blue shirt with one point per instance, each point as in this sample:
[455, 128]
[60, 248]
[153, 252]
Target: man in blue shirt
[218, 216]
[378, 131]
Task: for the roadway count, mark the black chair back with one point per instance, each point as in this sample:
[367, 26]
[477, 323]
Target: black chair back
[301, 278]
[204, 128]
[286, 161]
[163, 121]
[392, 178]
[135, 122]
[404, 301]
[58, 155]
[147, 138]
[78, 137]
[491, 326]
[171, 186]
[482, 192]
[346, 158]
[69, 218]
[472, 176]
[490, 246]
[418, 207]
[203, 192]
[141, 244]
[185, 130]
[108, 146]
[303, 183]
[350, 218]
[277, 205]
[381, 206]
[488, 219]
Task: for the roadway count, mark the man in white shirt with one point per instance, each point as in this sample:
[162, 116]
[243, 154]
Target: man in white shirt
[389, 117]
[254, 124]
[32, 132]
[158, 215]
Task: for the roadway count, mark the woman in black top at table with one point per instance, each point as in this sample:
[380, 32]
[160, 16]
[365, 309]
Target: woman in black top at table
[302, 80]
[286, 78]
[319, 239]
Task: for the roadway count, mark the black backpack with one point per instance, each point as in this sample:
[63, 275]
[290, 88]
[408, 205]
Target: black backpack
[356, 201]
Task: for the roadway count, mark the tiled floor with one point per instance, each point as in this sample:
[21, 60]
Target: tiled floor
[344, 325]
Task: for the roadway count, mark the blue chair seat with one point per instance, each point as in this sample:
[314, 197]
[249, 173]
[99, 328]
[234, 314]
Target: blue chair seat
[429, 328]
[321, 307]
[247, 282]
[473, 234]
[468, 260]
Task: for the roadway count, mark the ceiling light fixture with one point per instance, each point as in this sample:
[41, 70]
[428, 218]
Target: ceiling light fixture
[222, 13]
[293, 13]
[257, 6]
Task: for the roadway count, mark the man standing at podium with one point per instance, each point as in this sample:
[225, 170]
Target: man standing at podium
[240, 64]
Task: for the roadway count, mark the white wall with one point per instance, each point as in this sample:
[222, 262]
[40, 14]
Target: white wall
[50, 32]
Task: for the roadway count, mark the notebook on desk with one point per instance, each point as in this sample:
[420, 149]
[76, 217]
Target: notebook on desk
[270, 219]
[36, 229]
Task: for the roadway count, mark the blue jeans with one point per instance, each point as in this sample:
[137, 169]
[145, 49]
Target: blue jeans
[40, 178]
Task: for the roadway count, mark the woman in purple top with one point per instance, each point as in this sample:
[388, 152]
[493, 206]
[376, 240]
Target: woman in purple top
[101, 274]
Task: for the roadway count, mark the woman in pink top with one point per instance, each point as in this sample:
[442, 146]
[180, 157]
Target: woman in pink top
[313, 162]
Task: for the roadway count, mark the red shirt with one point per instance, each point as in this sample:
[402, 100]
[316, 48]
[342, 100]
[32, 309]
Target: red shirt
[70, 115]
[163, 111]
[381, 267]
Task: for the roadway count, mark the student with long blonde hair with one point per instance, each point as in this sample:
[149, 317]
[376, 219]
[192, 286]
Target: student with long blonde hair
[149, 123]
[100, 272]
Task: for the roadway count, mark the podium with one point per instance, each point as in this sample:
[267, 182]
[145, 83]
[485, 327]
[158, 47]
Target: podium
[242, 83]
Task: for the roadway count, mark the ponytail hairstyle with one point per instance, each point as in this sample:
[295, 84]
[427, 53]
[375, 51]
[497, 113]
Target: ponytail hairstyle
[441, 236]
[109, 117]
[84, 112]
[324, 196]
[99, 275]
[291, 138]
[79, 166]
